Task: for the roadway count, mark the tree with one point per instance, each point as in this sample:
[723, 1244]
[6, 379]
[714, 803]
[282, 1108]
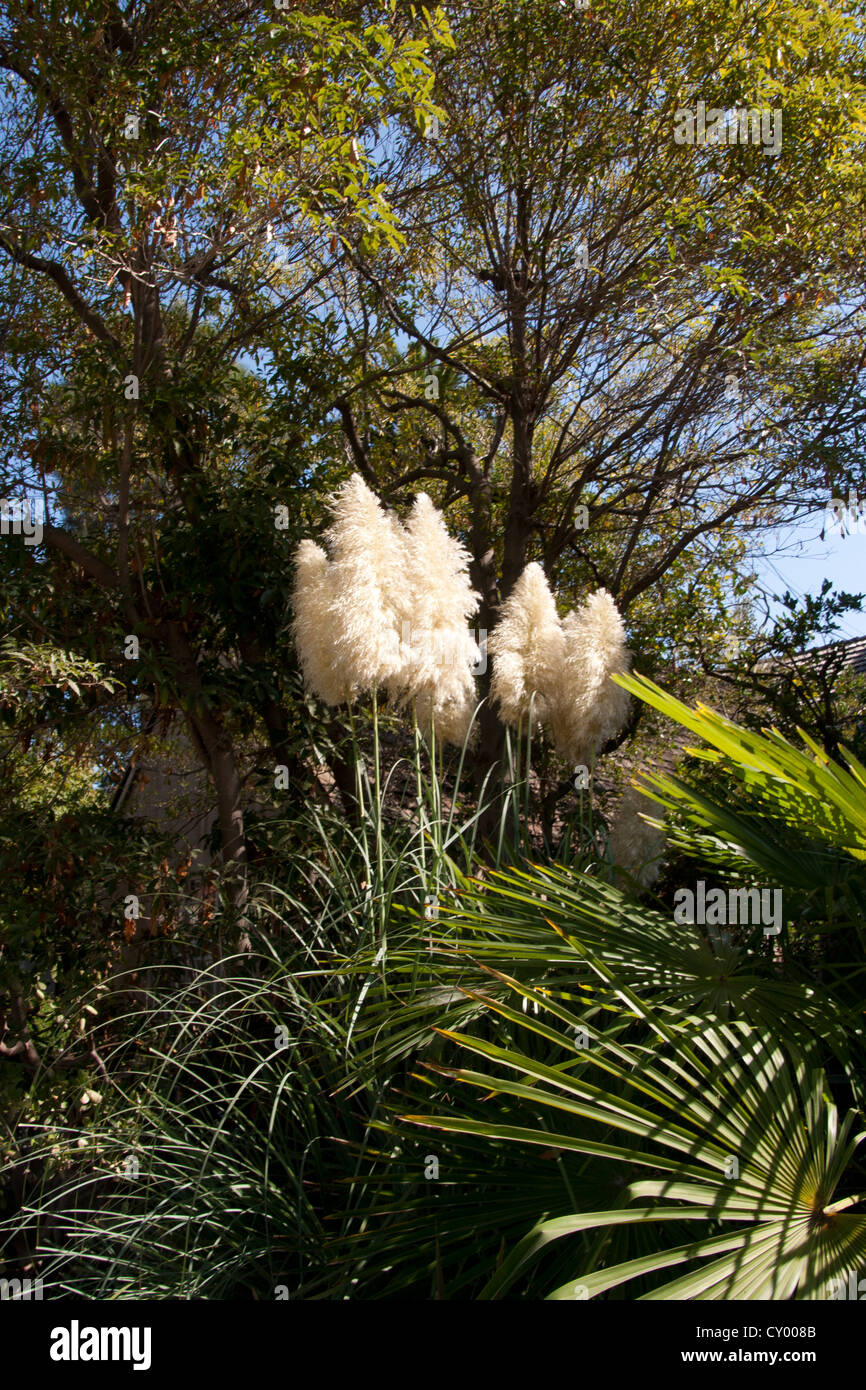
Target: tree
[612, 348]
[165, 183]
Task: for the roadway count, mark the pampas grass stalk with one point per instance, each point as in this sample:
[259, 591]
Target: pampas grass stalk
[529, 718]
[416, 745]
[380, 859]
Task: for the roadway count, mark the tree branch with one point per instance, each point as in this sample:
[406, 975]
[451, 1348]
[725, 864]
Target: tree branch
[55, 271]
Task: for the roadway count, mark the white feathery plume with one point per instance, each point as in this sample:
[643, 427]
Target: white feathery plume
[590, 708]
[634, 845]
[448, 713]
[370, 579]
[438, 648]
[313, 626]
[528, 649]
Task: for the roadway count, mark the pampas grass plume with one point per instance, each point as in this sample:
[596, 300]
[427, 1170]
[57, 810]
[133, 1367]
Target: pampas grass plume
[590, 708]
[438, 648]
[528, 649]
[635, 845]
[313, 626]
[369, 561]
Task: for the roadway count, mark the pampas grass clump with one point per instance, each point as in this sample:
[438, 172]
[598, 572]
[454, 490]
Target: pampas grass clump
[388, 610]
[561, 668]
[347, 607]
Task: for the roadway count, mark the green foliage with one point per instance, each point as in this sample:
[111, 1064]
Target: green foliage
[636, 1077]
[783, 814]
[728, 1128]
[249, 214]
[652, 1062]
[215, 1154]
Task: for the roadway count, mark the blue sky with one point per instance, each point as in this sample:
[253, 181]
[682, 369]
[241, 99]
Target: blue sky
[797, 559]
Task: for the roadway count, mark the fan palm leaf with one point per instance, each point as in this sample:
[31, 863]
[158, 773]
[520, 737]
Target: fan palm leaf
[734, 1128]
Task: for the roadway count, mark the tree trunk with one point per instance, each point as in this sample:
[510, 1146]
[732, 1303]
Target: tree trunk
[482, 570]
[216, 751]
[491, 741]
